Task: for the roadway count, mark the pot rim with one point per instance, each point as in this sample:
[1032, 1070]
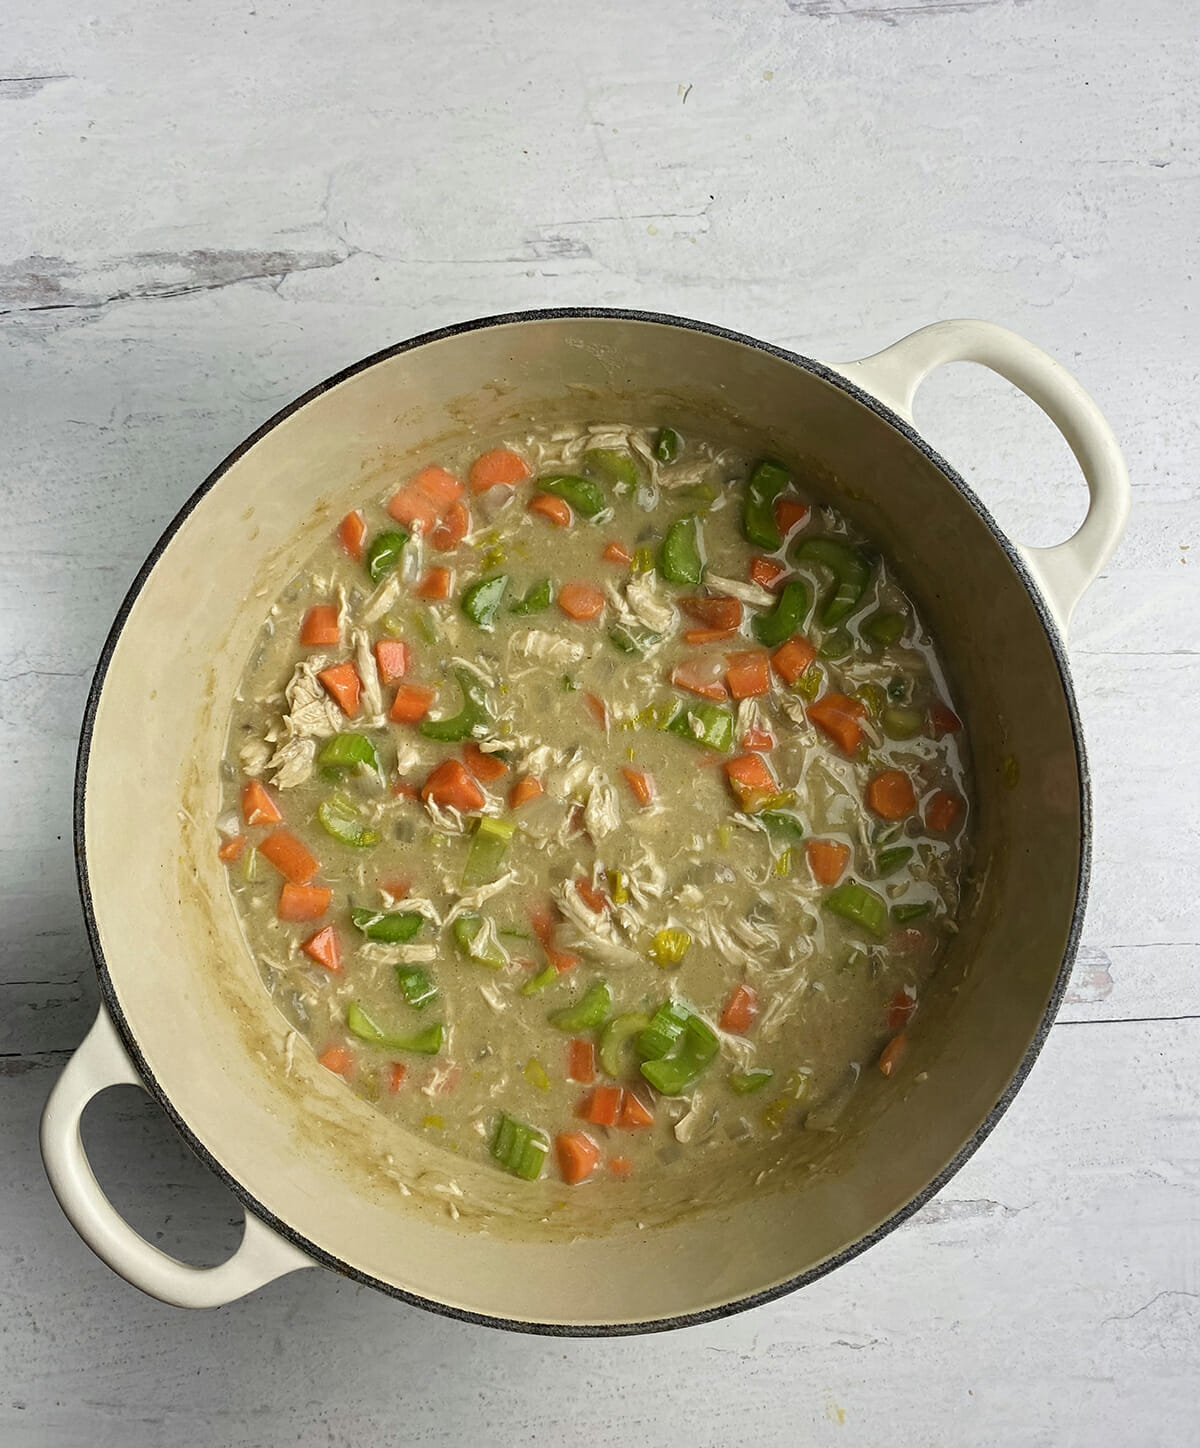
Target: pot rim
[968, 1148]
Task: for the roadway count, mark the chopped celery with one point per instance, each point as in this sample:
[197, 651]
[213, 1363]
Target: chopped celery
[873, 697]
[425, 1043]
[473, 714]
[883, 628]
[613, 464]
[481, 601]
[854, 902]
[887, 862]
[808, 686]
[391, 927]
[643, 560]
[631, 639]
[665, 1028]
[785, 619]
[745, 1083]
[618, 887]
[384, 552]
[783, 800]
[348, 751]
[837, 644]
[783, 865]
[619, 1031]
[667, 445]
[763, 487]
[537, 599]
[392, 625]
[705, 724]
[696, 1049]
[416, 987]
[901, 723]
[669, 947]
[522, 1149]
[425, 623]
[538, 983]
[850, 568]
[535, 1074]
[489, 845]
[591, 1010]
[250, 871]
[582, 494]
[477, 942]
[902, 914]
[680, 559]
[339, 817]
[780, 823]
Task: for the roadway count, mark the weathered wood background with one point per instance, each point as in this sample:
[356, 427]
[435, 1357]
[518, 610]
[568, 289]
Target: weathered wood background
[206, 207]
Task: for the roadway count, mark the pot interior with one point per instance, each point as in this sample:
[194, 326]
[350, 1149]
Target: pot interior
[303, 1151]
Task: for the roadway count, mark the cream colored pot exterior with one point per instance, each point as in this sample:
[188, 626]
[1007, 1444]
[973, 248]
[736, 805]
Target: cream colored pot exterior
[323, 1176]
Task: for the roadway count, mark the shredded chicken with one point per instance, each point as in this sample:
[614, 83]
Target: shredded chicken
[602, 812]
[381, 600]
[372, 691]
[546, 648]
[650, 606]
[253, 757]
[751, 593]
[416, 953]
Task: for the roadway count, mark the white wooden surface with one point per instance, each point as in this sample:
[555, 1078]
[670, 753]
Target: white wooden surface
[207, 207]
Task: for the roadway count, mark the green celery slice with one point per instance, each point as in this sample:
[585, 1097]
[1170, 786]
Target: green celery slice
[764, 485]
[481, 601]
[425, 1043]
[582, 494]
[339, 818]
[383, 553]
[391, 927]
[680, 559]
[473, 714]
[854, 902]
[590, 1011]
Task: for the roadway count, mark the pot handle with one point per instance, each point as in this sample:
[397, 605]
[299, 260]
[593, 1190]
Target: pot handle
[1065, 571]
[102, 1061]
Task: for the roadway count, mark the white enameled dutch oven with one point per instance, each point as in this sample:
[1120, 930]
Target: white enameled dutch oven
[324, 1178]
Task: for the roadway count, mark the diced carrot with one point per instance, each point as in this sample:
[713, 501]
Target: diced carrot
[943, 720]
[543, 923]
[439, 486]
[790, 513]
[324, 948]
[719, 611]
[303, 902]
[351, 532]
[615, 552]
[435, 584]
[696, 636]
[336, 1059]
[597, 708]
[402, 789]
[827, 859]
[412, 703]
[750, 779]
[700, 676]
[741, 1010]
[524, 790]
[760, 740]
[258, 808]
[641, 784]
[397, 1072]
[426, 499]
[748, 673]
[320, 626]
[890, 795]
[344, 687]
[893, 1054]
[581, 601]
[451, 786]
[581, 1061]
[594, 899]
[839, 716]
[620, 1167]
[392, 657]
[397, 887]
[601, 1106]
[900, 1010]
[486, 768]
[453, 528]
[577, 1156]
[792, 659]
[635, 1114]
[942, 810]
[289, 856]
[555, 510]
[766, 572]
[501, 465]
[231, 849]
